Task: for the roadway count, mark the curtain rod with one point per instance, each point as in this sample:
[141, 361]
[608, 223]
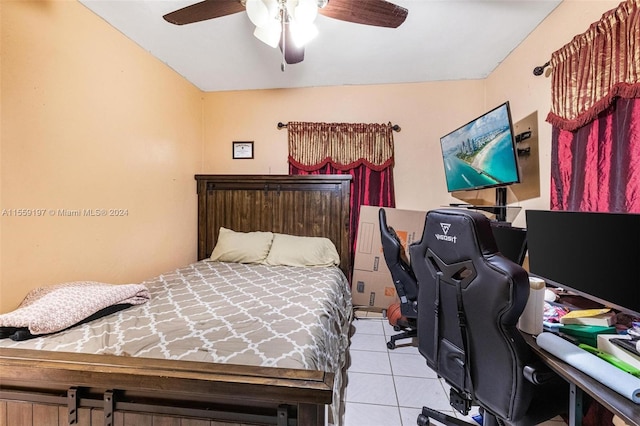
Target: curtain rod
[540, 69]
[282, 125]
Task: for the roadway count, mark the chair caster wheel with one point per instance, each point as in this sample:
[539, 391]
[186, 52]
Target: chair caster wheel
[423, 420]
[391, 345]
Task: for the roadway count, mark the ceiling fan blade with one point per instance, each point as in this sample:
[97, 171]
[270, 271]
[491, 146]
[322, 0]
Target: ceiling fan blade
[379, 13]
[292, 53]
[207, 9]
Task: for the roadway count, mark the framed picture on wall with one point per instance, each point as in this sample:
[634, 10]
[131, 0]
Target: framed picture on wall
[243, 150]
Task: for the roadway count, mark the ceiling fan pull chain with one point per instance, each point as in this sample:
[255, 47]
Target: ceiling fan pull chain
[283, 11]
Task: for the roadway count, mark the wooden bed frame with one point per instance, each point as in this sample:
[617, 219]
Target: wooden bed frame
[41, 388]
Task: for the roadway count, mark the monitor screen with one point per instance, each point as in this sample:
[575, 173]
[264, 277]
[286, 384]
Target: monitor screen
[482, 153]
[511, 241]
[594, 254]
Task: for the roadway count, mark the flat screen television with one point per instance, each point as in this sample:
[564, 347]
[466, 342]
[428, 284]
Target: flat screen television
[482, 153]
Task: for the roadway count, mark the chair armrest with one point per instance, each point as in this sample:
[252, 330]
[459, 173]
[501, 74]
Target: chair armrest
[538, 373]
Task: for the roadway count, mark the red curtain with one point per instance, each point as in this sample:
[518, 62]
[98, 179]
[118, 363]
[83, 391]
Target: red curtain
[597, 167]
[595, 113]
[365, 151]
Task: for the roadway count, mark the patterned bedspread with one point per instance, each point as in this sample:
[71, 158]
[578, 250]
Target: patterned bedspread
[278, 316]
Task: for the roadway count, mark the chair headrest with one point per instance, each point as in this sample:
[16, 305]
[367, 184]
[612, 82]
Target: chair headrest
[391, 244]
[457, 234]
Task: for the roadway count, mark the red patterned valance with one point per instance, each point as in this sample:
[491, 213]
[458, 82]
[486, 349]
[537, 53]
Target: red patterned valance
[343, 145]
[596, 67]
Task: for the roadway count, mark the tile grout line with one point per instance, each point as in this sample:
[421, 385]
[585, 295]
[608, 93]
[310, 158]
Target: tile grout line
[393, 378]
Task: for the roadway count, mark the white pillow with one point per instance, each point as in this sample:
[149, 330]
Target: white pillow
[242, 247]
[291, 250]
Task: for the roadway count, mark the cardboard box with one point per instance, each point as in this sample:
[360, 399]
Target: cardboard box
[372, 285]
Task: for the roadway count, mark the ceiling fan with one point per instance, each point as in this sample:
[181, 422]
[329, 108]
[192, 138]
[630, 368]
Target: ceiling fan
[289, 23]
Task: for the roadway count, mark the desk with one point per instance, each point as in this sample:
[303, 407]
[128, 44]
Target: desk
[580, 382]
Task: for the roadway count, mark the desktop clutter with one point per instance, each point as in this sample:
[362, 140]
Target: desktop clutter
[598, 341]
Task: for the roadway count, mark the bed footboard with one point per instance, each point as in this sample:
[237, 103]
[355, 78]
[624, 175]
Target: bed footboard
[48, 388]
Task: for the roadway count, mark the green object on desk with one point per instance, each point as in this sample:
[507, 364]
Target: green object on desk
[611, 360]
[587, 334]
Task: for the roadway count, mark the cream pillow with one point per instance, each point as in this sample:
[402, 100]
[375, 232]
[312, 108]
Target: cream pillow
[242, 247]
[290, 250]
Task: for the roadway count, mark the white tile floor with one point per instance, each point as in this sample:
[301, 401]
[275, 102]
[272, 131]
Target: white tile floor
[389, 387]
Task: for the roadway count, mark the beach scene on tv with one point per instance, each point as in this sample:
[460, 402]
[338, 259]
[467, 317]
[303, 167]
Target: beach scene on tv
[481, 153]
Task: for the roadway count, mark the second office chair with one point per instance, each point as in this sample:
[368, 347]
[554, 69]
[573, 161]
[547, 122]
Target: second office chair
[403, 279]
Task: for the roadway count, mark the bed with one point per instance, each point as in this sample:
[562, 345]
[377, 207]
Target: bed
[47, 382]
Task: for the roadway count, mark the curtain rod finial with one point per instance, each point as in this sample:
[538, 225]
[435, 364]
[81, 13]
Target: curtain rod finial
[540, 69]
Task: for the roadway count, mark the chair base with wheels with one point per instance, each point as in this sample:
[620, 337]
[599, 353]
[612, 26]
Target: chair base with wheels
[406, 334]
[406, 326]
[427, 413]
[445, 419]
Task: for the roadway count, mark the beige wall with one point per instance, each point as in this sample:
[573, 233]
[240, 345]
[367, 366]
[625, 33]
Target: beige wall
[91, 121]
[424, 112]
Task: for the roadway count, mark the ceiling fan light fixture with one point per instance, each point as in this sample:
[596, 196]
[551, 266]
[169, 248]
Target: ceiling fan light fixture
[303, 11]
[269, 16]
[303, 33]
[269, 35]
[262, 12]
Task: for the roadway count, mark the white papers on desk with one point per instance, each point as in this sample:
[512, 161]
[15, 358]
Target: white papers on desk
[623, 383]
[605, 345]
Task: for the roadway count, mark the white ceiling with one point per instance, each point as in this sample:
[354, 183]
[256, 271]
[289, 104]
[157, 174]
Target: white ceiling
[440, 40]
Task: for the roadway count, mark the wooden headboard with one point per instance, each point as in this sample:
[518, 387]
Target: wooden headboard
[312, 206]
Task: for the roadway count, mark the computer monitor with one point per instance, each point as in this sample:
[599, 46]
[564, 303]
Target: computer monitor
[596, 255]
[511, 241]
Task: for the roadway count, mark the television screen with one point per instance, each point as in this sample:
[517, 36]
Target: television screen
[482, 153]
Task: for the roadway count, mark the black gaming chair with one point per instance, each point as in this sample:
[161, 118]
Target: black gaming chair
[403, 280]
[469, 302]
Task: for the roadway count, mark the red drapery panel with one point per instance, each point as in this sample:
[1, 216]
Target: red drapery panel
[595, 115]
[365, 151]
[597, 167]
